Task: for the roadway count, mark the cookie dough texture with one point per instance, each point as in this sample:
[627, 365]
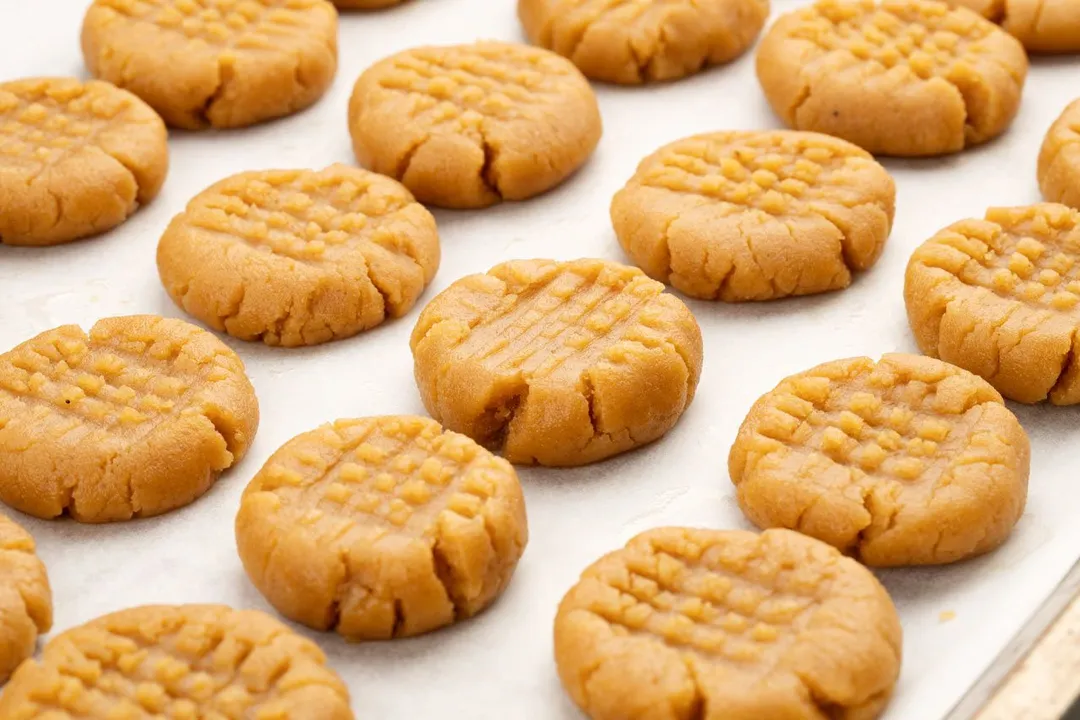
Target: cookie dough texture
[755, 215]
[76, 159]
[469, 125]
[899, 77]
[178, 661]
[25, 597]
[1059, 159]
[214, 63]
[382, 527]
[299, 257]
[906, 461]
[727, 625]
[557, 363]
[639, 41]
[135, 418]
[1043, 26]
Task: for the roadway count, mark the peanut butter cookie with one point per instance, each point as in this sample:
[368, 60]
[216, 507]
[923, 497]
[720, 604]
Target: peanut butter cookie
[178, 661]
[557, 363]
[999, 297]
[1059, 159]
[755, 215]
[685, 623]
[382, 528]
[468, 125]
[134, 419]
[76, 159]
[25, 597]
[299, 257]
[899, 77]
[1043, 26]
[214, 63]
[907, 461]
[643, 40]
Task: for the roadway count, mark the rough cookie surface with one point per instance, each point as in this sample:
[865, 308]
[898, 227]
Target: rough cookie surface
[755, 215]
[136, 418]
[636, 41]
[76, 159]
[298, 257]
[907, 461]
[1059, 159]
[183, 662]
[684, 624]
[899, 77]
[25, 597]
[557, 363]
[466, 126]
[1043, 26]
[219, 63]
[382, 527]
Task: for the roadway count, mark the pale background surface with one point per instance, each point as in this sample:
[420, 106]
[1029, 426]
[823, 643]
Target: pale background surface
[499, 665]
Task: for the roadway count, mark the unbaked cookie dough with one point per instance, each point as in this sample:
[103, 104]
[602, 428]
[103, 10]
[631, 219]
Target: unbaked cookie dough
[755, 215]
[76, 159]
[382, 527]
[135, 418]
[906, 461]
[1059, 159]
[899, 77]
[643, 40]
[299, 257]
[557, 363]
[466, 126]
[1043, 26]
[686, 623]
[214, 63]
[25, 597]
[178, 661]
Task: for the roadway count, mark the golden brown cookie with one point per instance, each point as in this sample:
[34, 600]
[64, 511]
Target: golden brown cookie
[685, 623]
[643, 40]
[135, 418]
[178, 661]
[468, 125]
[299, 257]
[382, 528]
[1043, 26]
[214, 63]
[76, 159]
[25, 597]
[899, 77]
[1059, 159]
[557, 363]
[755, 215]
[906, 461]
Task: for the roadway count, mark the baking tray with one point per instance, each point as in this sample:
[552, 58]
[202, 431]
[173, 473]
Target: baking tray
[957, 619]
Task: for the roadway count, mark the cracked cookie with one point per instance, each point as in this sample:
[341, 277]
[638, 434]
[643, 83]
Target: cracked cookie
[899, 77]
[1043, 26]
[557, 363]
[299, 257]
[906, 461]
[687, 623]
[214, 63]
[381, 528]
[637, 41]
[25, 597]
[1059, 159]
[135, 418]
[999, 297]
[178, 661]
[466, 126]
[76, 159]
[740, 216]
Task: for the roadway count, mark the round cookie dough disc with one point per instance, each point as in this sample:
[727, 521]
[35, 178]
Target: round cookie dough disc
[466, 126]
[643, 40]
[135, 418]
[298, 257]
[907, 461]
[214, 63]
[557, 363]
[76, 159]
[1059, 159]
[727, 624]
[178, 661]
[755, 215]
[1043, 26]
[25, 597]
[381, 528]
[899, 77]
